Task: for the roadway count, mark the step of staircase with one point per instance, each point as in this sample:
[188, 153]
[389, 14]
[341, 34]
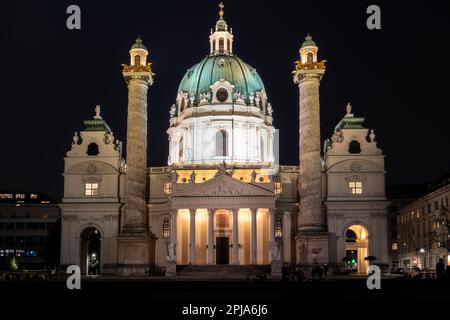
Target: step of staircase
[222, 271]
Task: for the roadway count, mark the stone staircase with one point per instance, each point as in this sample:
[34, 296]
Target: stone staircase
[223, 272]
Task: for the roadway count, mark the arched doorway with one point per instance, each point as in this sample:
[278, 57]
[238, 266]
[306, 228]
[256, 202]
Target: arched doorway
[357, 249]
[90, 251]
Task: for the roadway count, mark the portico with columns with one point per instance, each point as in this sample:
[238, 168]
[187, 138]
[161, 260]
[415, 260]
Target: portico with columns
[223, 221]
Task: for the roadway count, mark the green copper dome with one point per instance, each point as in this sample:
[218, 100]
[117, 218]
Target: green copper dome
[200, 77]
[138, 44]
[308, 42]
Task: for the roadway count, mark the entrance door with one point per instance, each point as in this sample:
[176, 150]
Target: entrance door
[222, 250]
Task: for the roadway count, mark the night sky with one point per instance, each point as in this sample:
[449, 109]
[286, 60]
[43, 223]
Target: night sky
[52, 77]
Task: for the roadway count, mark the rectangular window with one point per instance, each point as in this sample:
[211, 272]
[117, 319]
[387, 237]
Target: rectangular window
[168, 188]
[33, 196]
[20, 196]
[6, 196]
[355, 187]
[91, 189]
[279, 228]
[166, 229]
[278, 189]
[394, 247]
[429, 208]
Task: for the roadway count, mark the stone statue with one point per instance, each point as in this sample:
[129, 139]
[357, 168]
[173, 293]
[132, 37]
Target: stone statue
[221, 169]
[204, 97]
[109, 137]
[192, 178]
[349, 109]
[172, 111]
[326, 145]
[372, 135]
[98, 110]
[118, 146]
[252, 99]
[276, 251]
[239, 97]
[253, 176]
[171, 251]
[269, 109]
[76, 138]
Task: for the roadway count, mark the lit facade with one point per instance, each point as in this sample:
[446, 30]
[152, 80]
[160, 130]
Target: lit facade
[422, 237]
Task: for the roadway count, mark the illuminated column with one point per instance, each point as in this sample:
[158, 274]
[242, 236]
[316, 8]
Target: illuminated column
[235, 236]
[253, 235]
[210, 236]
[134, 239]
[312, 221]
[192, 237]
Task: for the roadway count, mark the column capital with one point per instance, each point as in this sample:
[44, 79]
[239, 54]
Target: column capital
[253, 210]
[235, 211]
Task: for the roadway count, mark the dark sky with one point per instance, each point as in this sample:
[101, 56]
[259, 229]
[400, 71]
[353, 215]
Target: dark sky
[51, 79]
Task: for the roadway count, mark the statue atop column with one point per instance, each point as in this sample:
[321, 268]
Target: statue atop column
[98, 110]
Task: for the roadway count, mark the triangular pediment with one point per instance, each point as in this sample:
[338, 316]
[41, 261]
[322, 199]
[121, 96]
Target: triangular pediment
[224, 186]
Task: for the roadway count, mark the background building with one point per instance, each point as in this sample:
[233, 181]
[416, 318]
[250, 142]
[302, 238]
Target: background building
[399, 195]
[29, 230]
[424, 229]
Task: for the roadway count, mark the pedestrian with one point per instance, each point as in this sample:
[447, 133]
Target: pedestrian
[440, 268]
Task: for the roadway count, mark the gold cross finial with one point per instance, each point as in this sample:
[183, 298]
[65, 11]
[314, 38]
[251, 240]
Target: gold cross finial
[221, 12]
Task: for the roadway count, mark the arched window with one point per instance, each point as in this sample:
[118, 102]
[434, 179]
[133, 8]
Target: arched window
[309, 57]
[92, 149]
[261, 149]
[180, 148]
[214, 45]
[354, 147]
[221, 45]
[221, 143]
[228, 45]
[137, 60]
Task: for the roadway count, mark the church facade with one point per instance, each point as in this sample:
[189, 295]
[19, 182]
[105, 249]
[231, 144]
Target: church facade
[223, 199]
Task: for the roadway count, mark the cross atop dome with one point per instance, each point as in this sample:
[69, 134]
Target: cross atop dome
[221, 12]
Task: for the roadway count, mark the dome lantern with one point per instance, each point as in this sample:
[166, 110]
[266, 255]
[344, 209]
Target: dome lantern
[221, 40]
